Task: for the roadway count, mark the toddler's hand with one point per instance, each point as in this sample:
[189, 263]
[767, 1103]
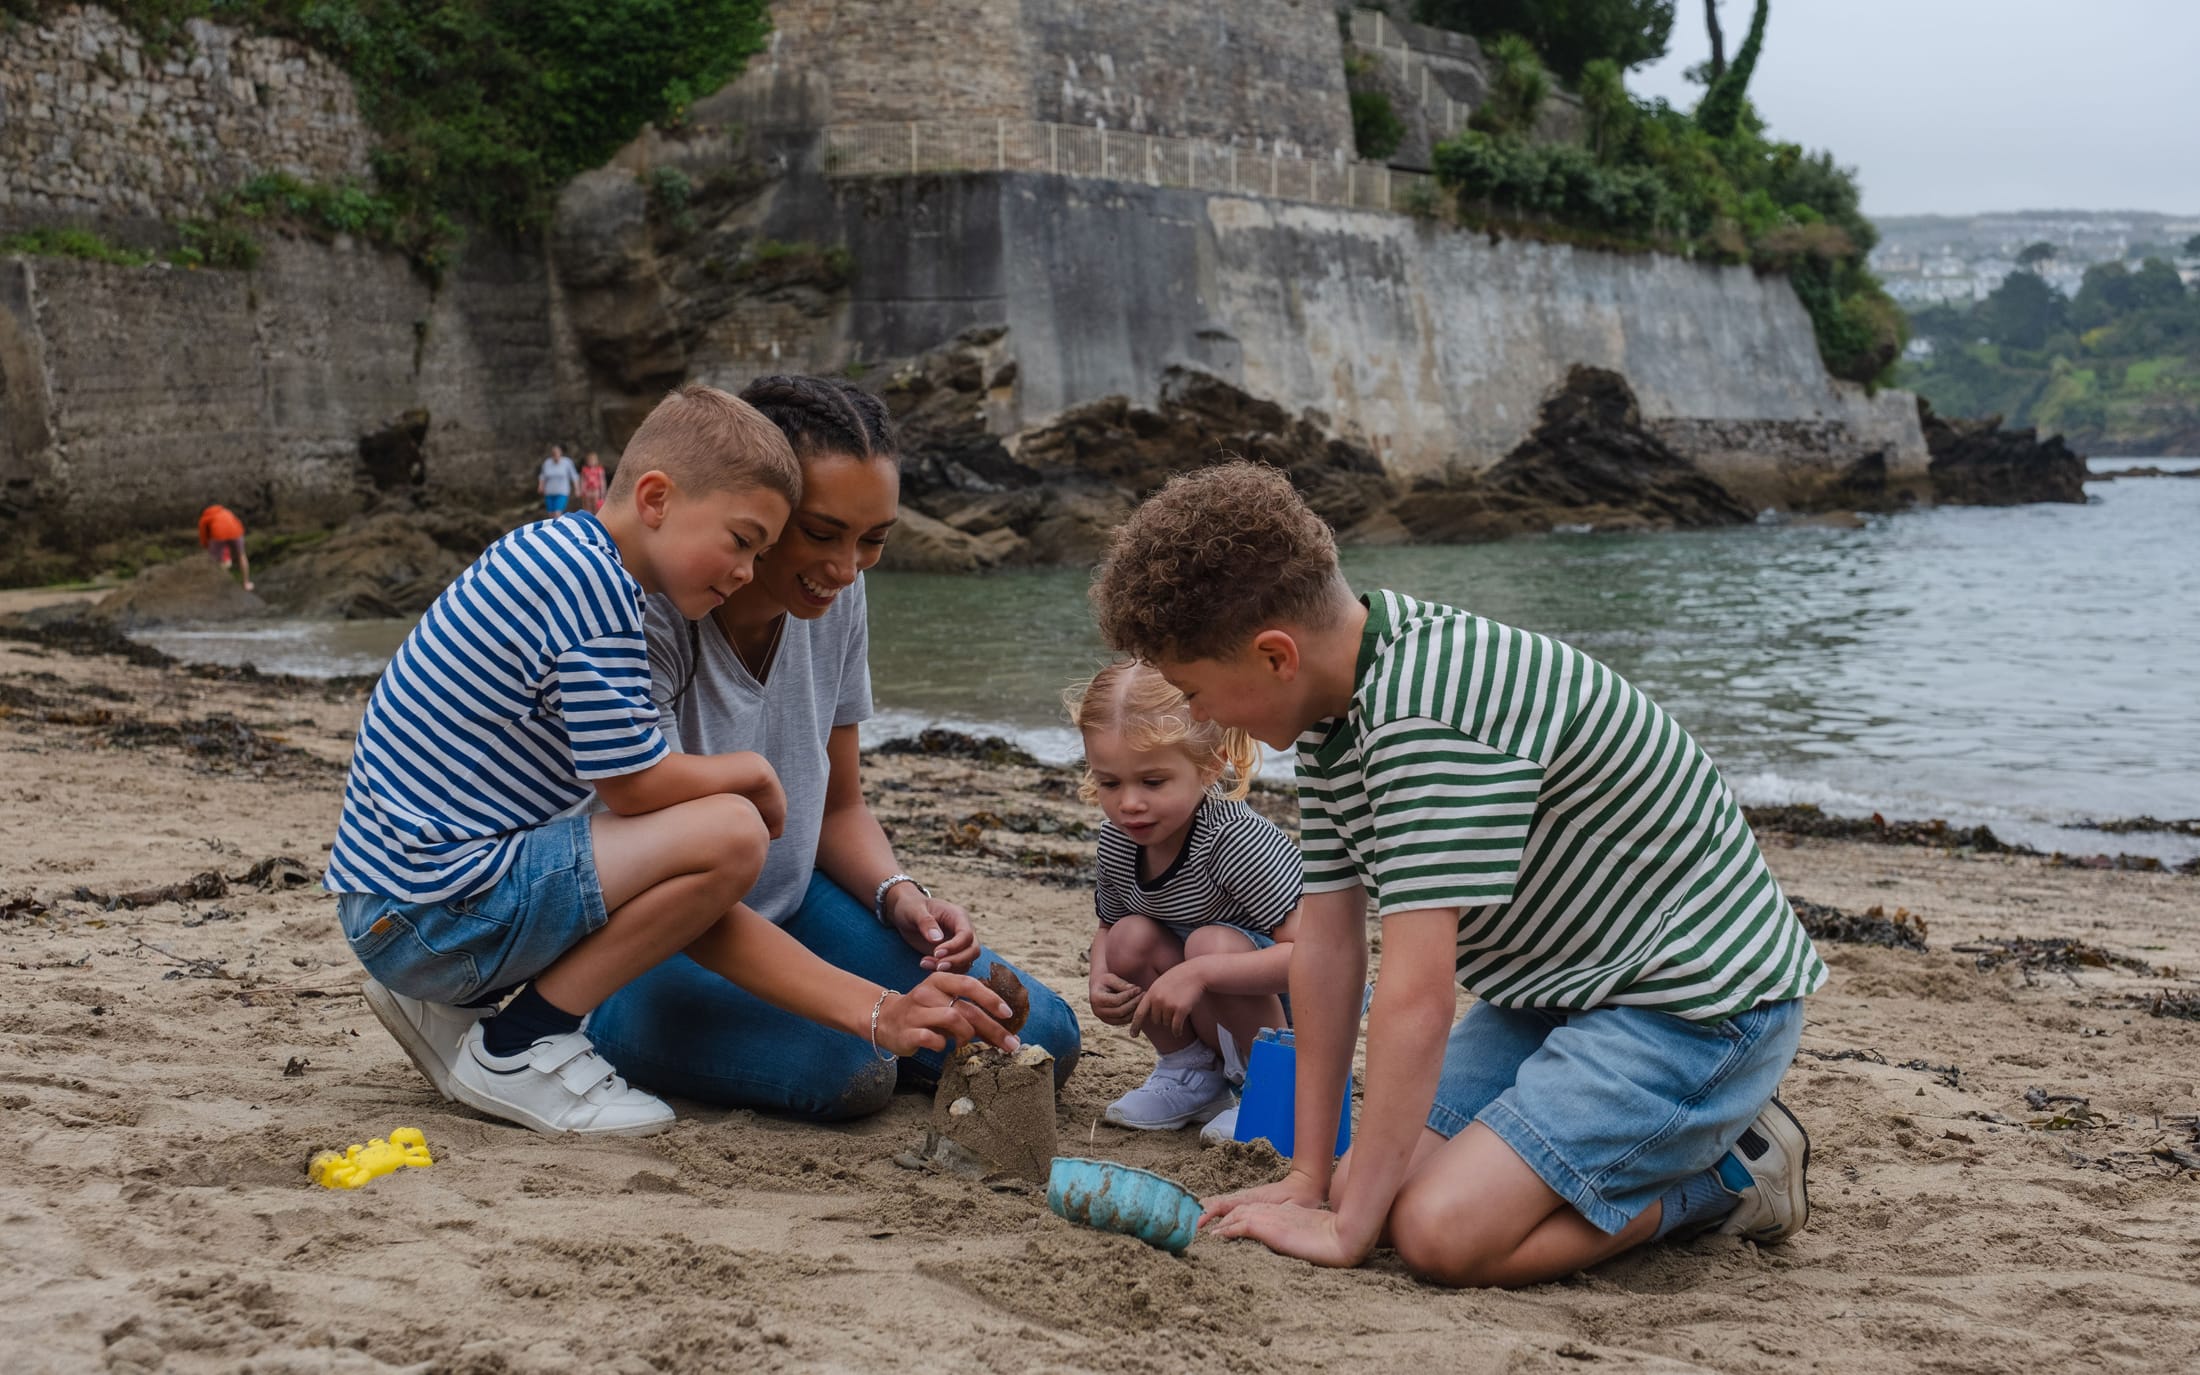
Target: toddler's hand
[1114, 998]
[1169, 1002]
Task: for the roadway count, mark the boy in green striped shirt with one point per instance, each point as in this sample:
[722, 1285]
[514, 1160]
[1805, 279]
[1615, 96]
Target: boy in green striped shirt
[1524, 820]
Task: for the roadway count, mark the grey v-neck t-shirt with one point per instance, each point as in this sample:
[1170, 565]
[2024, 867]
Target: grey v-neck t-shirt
[820, 678]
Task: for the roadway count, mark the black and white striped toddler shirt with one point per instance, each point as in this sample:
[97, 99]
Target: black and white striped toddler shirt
[1236, 867]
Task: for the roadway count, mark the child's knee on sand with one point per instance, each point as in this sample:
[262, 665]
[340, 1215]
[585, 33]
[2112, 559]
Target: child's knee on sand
[1141, 949]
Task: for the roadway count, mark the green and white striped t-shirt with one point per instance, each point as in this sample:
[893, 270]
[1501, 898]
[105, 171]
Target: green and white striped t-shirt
[1594, 853]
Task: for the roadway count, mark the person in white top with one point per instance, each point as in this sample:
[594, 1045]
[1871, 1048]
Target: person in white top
[555, 481]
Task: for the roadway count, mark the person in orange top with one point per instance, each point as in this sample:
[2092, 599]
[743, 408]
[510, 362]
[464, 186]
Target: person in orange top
[221, 534]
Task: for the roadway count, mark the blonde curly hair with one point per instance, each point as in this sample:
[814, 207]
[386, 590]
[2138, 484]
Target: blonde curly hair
[1131, 697]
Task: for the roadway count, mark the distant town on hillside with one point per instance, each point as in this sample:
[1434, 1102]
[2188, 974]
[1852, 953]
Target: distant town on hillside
[1957, 259]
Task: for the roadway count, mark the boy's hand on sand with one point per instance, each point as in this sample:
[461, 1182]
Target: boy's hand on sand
[1114, 998]
[1170, 999]
[1294, 1190]
[938, 931]
[755, 779]
[1310, 1234]
[944, 1008]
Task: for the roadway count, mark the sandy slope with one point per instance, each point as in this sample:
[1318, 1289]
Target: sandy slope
[154, 1212]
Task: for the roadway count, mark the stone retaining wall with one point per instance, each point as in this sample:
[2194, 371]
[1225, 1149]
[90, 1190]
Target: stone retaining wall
[94, 127]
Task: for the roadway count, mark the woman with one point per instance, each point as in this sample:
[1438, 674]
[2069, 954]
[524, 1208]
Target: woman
[782, 668]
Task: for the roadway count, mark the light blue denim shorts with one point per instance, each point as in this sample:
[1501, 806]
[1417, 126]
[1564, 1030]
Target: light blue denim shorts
[453, 952]
[1613, 1106]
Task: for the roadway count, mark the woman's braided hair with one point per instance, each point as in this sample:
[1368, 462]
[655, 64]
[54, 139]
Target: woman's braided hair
[819, 416]
[825, 415]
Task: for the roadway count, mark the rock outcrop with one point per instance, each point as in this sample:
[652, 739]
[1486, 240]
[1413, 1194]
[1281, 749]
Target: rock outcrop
[394, 561]
[1053, 493]
[1588, 464]
[1978, 463]
[190, 590]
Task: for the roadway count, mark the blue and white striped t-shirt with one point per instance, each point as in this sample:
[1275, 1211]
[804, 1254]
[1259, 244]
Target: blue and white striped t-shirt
[527, 678]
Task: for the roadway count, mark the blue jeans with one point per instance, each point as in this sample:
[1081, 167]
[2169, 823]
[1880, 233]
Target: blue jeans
[1613, 1106]
[682, 1029]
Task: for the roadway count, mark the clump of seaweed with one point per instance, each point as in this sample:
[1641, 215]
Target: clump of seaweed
[2064, 955]
[954, 744]
[1807, 819]
[220, 740]
[1904, 930]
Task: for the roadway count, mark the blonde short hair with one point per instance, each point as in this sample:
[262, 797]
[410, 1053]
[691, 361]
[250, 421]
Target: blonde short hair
[707, 440]
[1131, 696]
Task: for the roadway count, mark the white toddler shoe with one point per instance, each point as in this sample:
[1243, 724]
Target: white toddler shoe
[1186, 1086]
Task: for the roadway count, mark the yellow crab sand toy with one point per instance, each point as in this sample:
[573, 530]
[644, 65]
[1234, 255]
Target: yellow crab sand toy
[359, 1164]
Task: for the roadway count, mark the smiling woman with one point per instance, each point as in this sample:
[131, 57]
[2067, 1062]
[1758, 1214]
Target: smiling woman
[782, 667]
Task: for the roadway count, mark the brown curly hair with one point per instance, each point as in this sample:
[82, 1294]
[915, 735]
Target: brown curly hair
[1211, 560]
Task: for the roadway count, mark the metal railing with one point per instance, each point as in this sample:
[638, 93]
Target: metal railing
[917, 147]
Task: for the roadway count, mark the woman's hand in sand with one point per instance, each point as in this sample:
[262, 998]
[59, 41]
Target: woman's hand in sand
[938, 931]
[944, 1008]
[1170, 999]
[1114, 998]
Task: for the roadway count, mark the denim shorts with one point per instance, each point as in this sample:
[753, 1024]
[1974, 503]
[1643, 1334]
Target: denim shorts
[454, 951]
[1261, 940]
[1613, 1106]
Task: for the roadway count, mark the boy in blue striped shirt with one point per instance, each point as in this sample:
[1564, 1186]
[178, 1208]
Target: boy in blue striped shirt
[467, 860]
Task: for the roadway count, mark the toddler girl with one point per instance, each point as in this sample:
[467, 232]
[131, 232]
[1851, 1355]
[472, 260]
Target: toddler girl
[1197, 895]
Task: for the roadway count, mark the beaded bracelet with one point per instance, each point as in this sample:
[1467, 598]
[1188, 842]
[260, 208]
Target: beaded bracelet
[883, 995]
[878, 896]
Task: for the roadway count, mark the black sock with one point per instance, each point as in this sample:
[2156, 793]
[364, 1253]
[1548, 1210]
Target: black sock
[526, 1019]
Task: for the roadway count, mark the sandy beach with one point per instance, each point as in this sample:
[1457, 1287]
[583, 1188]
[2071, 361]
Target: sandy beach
[1997, 1172]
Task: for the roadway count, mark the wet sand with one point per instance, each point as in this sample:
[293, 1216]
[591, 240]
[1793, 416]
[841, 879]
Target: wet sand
[168, 1069]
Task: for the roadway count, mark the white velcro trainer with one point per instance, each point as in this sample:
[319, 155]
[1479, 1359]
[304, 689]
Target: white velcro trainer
[428, 1033]
[557, 1085]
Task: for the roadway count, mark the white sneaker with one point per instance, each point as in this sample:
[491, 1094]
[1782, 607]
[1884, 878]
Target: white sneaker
[1221, 1127]
[1774, 1155]
[559, 1084]
[428, 1033]
[1186, 1086]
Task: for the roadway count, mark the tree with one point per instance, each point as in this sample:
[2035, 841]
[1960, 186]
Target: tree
[1716, 67]
[1517, 87]
[2033, 254]
[2192, 246]
[2022, 312]
[1611, 112]
[1720, 112]
[1570, 34]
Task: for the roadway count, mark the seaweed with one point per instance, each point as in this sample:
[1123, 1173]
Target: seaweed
[1905, 930]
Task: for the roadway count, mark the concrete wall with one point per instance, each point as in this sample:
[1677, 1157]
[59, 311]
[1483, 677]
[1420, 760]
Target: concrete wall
[156, 391]
[92, 126]
[1432, 346]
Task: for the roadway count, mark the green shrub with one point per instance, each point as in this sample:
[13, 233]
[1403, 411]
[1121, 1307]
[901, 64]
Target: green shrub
[1376, 129]
[73, 243]
[670, 193]
[483, 108]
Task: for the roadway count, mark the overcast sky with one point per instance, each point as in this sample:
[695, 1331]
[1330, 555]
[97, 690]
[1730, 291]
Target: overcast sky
[1956, 106]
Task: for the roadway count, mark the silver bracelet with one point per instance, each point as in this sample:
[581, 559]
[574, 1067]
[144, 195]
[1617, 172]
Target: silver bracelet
[878, 897]
[883, 995]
